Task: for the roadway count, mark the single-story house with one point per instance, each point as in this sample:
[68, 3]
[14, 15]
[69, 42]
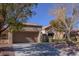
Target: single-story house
[28, 34]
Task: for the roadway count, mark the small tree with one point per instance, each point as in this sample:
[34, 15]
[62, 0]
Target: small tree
[62, 23]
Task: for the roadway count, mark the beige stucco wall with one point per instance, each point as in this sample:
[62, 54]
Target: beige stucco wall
[58, 35]
[6, 42]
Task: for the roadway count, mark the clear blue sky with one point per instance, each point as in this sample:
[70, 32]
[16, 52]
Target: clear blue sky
[42, 16]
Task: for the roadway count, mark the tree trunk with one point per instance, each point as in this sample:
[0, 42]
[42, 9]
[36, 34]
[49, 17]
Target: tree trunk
[68, 40]
[68, 36]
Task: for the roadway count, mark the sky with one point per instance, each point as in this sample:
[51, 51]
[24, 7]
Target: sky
[43, 16]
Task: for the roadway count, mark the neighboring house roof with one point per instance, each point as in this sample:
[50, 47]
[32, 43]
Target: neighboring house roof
[50, 27]
[46, 27]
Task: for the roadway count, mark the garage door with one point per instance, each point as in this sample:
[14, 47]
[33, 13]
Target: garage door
[24, 37]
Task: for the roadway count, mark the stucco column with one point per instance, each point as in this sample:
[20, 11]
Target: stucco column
[39, 37]
[10, 38]
[50, 39]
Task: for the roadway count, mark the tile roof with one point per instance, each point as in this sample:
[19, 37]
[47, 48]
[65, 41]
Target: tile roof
[32, 24]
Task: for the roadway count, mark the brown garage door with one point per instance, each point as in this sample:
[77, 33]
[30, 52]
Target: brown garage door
[25, 37]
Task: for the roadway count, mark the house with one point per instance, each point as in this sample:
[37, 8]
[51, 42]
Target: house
[32, 33]
[28, 34]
